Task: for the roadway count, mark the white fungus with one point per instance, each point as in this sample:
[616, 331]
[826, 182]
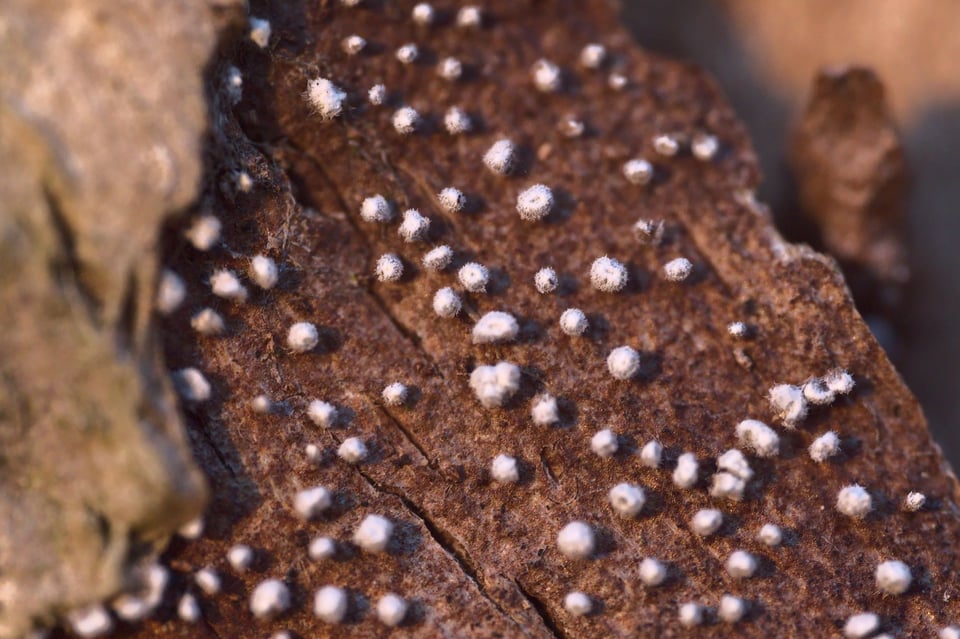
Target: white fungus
[330, 604]
[391, 609]
[949, 632]
[648, 231]
[638, 171]
[353, 44]
[408, 53]
[495, 327]
[134, 608]
[469, 16]
[861, 625]
[389, 268]
[854, 501]
[313, 452]
[191, 384]
[789, 403]
[260, 31]
[322, 413]
[677, 270]
[691, 614]
[423, 14]
[310, 502]
[727, 485]
[264, 272]
[608, 274]
[352, 450]
[92, 621]
[770, 535]
[395, 394]
[405, 120]
[504, 469]
[500, 157]
[839, 381]
[914, 501]
[546, 76]
[414, 226]
[321, 548]
[373, 534]
[652, 571]
[604, 443]
[240, 557]
[577, 603]
[474, 277]
[244, 182]
[446, 303]
[188, 609]
[544, 410]
[534, 203]
[270, 598]
[623, 362]
[494, 385]
[574, 322]
[204, 232]
[171, 292]
[707, 521]
[438, 258]
[627, 499]
[685, 474]
[617, 81]
[377, 94]
[824, 447]
[731, 609]
[456, 121]
[593, 55]
[208, 580]
[741, 564]
[651, 454]
[666, 145]
[325, 98]
[376, 209]
[704, 146]
[817, 392]
[576, 540]
[734, 462]
[761, 438]
[450, 69]
[234, 85]
[737, 329]
[893, 577]
[226, 285]
[261, 404]
[571, 127]
[302, 337]
[452, 199]
[546, 280]
[192, 529]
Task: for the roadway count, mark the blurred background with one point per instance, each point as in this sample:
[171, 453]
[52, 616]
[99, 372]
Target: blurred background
[765, 55]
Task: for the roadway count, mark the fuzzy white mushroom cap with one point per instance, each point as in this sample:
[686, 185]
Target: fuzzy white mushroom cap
[727, 485]
[423, 14]
[207, 580]
[391, 609]
[269, 599]
[395, 394]
[789, 403]
[376, 209]
[456, 121]
[535, 202]
[577, 603]
[310, 502]
[452, 199]
[353, 44]
[576, 540]
[374, 533]
[687, 470]
[893, 577]
[604, 443]
[191, 384]
[741, 564]
[652, 571]
[225, 284]
[322, 548]
[707, 521]
[731, 609]
[438, 258]
[92, 621]
[377, 94]
[389, 268]
[704, 146]
[546, 76]
[648, 231]
[188, 609]
[546, 280]
[406, 120]
[408, 53]
[623, 362]
[171, 292]
[839, 381]
[330, 604]
[450, 69]
[824, 447]
[770, 535]
[914, 501]
[677, 270]
[761, 438]
[500, 157]
[854, 501]
[207, 322]
[817, 392]
[593, 55]
[608, 275]
[322, 413]
[651, 454]
[574, 322]
[495, 327]
[414, 226]
[544, 411]
[494, 385]
[325, 98]
[446, 303]
[302, 337]
[691, 614]
[260, 31]
[504, 469]
[734, 462]
[638, 171]
[737, 329]
[240, 557]
[627, 499]
[666, 145]
[474, 277]
[861, 625]
[470, 16]
[264, 271]
[352, 450]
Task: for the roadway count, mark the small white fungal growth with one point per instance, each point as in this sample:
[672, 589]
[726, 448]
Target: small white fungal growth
[677, 270]
[226, 285]
[608, 275]
[376, 209]
[261, 404]
[92, 621]
[450, 69]
[854, 501]
[500, 157]
[666, 145]
[627, 499]
[423, 14]
[704, 146]
[456, 121]
[546, 280]
[240, 557]
[741, 564]
[504, 469]
[817, 392]
[234, 84]
[604, 443]
[893, 577]
[495, 327]
[405, 120]
[389, 268]
[469, 16]
[706, 521]
[731, 608]
[310, 502]
[770, 535]
[652, 572]
[321, 548]
[325, 98]
[353, 44]
[593, 55]
[260, 31]
[761, 438]
[617, 81]
[244, 182]
[839, 381]
[269, 599]
[737, 329]
[204, 232]
[734, 462]
[208, 580]
[727, 485]
[351, 3]
[170, 292]
[546, 76]
[789, 403]
[691, 614]
[322, 413]
[377, 94]
[395, 394]
[651, 454]
[571, 127]
[577, 603]
[373, 534]
[576, 540]
[452, 200]
[861, 625]
[544, 410]
[638, 171]
[188, 609]
[824, 447]
[446, 303]
[574, 322]
[685, 474]
[474, 277]
[949, 632]
[438, 258]
[314, 453]
[352, 450]
[494, 385]
[648, 231]
[330, 604]
[264, 272]
[914, 501]
[391, 609]
[414, 226]
[623, 362]
[408, 53]
[534, 203]
[302, 337]
[191, 384]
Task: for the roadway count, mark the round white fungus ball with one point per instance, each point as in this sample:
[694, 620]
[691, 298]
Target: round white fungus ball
[652, 571]
[495, 327]
[264, 272]
[893, 577]
[373, 534]
[789, 403]
[456, 121]
[494, 385]
[546, 280]
[395, 394]
[706, 521]
[577, 604]
[593, 55]
[352, 450]
[638, 171]
[761, 438]
[504, 469]
[310, 502]
[545, 410]
[389, 268]
[574, 322]
[240, 557]
[861, 625]
[269, 599]
[322, 548]
[534, 203]
[474, 277]
[446, 303]
[604, 443]
[322, 413]
[770, 535]
[330, 604]
[325, 98]
[546, 76]
[452, 200]
[391, 610]
[608, 275]
[438, 258]
[824, 447]
[691, 614]
[500, 157]
[302, 337]
[192, 385]
[623, 362]
[414, 226]
[731, 609]
[651, 454]
[377, 94]
[627, 499]
[687, 471]
[576, 540]
[204, 232]
[741, 564]
[225, 284]
[376, 209]
[677, 270]
[207, 322]
[408, 53]
[854, 501]
[170, 292]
